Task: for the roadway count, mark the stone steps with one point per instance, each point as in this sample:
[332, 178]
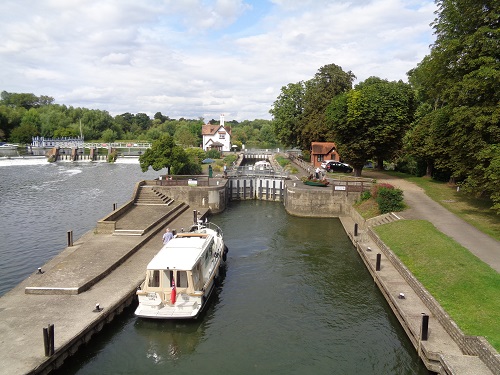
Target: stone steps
[382, 219]
[148, 195]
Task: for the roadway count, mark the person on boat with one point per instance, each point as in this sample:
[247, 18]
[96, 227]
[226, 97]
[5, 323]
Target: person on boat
[318, 171]
[167, 236]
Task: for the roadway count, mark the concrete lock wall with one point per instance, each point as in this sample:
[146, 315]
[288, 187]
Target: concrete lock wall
[300, 200]
[214, 198]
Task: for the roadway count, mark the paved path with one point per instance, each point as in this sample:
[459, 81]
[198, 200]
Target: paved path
[422, 207]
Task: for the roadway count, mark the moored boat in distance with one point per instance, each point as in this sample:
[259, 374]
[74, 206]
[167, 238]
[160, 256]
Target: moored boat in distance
[263, 165]
[181, 277]
[8, 146]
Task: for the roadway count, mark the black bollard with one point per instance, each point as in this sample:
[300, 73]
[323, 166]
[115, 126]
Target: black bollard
[51, 339]
[70, 238]
[46, 341]
[379, 257]
[114, 206]
[425, 327]
[355, 229]
[195, 216]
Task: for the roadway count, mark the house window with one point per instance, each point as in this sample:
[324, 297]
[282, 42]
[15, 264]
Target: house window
[222, 135]
[320, 157]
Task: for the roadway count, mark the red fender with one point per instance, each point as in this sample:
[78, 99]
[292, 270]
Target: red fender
[173, 296]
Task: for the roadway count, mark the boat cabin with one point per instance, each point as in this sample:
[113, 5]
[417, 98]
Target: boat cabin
[186, 260]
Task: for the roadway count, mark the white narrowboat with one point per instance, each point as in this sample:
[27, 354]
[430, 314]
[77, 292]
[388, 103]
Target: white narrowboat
[181, 277]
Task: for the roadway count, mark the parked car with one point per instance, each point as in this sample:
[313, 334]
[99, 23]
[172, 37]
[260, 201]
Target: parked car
[337, 166]
[325, 162]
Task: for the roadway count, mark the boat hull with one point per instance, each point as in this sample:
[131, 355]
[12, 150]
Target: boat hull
[182, 276]
[316, 183]
[185, 307]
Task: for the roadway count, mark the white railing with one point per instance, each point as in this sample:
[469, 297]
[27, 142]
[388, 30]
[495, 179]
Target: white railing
[116, 145]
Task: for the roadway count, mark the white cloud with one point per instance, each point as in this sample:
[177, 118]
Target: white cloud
[194, 58]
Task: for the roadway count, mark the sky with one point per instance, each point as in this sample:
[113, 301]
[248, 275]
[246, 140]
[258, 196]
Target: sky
[201, 58]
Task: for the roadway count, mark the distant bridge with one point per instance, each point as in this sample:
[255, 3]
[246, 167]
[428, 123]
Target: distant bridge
[115, 145]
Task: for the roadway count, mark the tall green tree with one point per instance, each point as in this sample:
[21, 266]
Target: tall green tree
[299, 111]
[328, 82]
[461, 76]
[164, 153]
[370, 121]
[287, 111]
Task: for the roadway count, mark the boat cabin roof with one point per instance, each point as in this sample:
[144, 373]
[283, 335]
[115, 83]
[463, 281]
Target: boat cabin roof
[181, 252]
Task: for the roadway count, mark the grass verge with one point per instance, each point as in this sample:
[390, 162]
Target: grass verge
[464, 286]
[475, 211]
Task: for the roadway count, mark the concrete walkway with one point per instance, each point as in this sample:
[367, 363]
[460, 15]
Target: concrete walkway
[109, 266]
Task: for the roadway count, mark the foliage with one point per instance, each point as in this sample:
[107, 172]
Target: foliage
[460, 82]
[376, 188]
[282, 161]
[390, 200]
[213, 154]
[164, 153]
[230, 159]
[109, 136]
[328, 82]
[112, 156]
[365, 195]
[299, 111]
[196, 154]
[464, 286]
[23, 116]
[25, 100]
[370, 121]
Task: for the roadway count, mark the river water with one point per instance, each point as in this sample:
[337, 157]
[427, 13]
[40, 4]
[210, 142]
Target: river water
[296, 297]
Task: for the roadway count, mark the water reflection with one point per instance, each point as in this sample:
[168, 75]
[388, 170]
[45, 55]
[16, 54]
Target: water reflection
[168, 340]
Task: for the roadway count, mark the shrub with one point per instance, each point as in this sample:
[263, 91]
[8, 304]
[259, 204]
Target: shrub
[230, 159]
[213, 154]
[375, 189]
[112, 156]
[282, 161]
[365, 195]
[390, 199]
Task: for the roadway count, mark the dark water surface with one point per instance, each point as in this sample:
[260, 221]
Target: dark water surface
[296, 298]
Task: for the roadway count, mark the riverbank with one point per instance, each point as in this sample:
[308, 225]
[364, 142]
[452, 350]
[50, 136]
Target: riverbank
[97, 270]
[475, 355]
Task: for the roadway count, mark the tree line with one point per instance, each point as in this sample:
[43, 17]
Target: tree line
[444, 123]
[25, 115]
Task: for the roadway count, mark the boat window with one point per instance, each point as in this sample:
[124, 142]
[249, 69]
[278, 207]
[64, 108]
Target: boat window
[182, 281]
[167, 278]
[154, 279]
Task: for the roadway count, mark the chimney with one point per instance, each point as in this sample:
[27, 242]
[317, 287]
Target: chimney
[222, 119]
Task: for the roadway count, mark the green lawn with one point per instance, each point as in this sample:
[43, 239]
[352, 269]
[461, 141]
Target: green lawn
[475, 211]
[467, 288]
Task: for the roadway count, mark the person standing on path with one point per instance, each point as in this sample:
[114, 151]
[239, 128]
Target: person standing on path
[167, 236]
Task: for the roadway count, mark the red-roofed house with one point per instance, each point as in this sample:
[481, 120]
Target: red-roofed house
[321, 151]
[216, 136]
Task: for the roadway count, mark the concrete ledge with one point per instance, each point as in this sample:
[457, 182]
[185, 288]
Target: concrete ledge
[308, 201]
[448, 350]
[469, 345]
